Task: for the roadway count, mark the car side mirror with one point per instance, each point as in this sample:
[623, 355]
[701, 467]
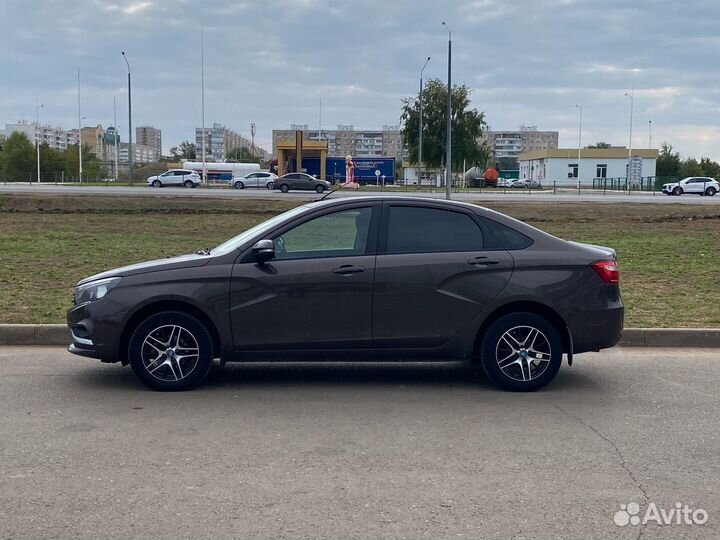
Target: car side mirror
[264, 250]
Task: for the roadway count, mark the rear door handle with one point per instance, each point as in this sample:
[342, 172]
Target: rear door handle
[348, 270]
[482, 260]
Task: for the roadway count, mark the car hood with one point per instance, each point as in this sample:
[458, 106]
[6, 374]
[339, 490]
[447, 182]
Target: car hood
[602, 251]
[183, 261]
[151, 178]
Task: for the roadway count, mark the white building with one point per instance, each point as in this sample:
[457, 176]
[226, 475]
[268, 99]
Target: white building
[562, 165]
[141, 154]
[54, 136]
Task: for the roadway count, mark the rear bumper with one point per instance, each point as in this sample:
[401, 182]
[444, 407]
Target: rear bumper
[595, 318]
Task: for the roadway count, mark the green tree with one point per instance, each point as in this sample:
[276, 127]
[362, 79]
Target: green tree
[599, 145]
[467, 126]
[186, 150]
[691, 167]
[710, 168]
[18, 158]
[52, 163]
[242, 154]
[668, 162]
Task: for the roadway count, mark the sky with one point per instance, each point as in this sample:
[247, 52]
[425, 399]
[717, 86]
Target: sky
[528, 62]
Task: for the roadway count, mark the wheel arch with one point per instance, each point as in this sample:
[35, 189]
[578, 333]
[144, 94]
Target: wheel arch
[166, 305]
[528, 306]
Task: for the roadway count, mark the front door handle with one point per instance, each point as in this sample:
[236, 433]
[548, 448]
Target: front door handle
[348, 270]
[482, 261]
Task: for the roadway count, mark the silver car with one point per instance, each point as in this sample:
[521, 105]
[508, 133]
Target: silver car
[175, 177]
[255, 180]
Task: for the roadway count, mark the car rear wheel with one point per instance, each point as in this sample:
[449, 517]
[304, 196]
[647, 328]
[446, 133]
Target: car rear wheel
[284, 188]
[677, 191]
[319, 189]
[710, 192]
[239, 185]
[521, 352]
[188, 184]
[269, 185]
[171, 351]
[157, 183]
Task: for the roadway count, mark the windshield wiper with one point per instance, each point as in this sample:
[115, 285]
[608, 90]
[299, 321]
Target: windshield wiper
[204, 251]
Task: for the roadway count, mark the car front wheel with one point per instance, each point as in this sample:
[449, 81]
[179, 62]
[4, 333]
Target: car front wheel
[677, 191]
[521, 352]
[171, 351]
[269, 185]
[157, 183]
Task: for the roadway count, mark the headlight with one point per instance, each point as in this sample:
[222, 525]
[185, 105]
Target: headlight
[94, 290]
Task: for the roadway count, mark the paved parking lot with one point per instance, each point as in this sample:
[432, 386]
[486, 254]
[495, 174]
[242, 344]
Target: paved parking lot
[357, 451]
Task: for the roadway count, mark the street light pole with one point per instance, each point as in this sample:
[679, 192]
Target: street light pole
[631, 96]
[202, 104]
[130, 148]
[116, 141]
[649, 133]
[37, 143]
[579, 139]
[420, 132]
[79, 133]
[448, 158]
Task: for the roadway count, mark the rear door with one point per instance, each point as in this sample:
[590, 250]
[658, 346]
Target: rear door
[433, 275]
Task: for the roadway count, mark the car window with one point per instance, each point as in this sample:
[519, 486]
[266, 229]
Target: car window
[169, 173]
[504, 237]
[180, 173]
[417, 230]
[331, 235]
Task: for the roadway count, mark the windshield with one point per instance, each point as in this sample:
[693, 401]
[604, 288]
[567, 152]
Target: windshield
[240, 239]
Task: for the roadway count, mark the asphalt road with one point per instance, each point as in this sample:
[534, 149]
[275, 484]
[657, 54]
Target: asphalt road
[357, 451]
[495, 195]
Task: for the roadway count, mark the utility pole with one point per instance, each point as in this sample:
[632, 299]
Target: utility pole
[130, 146]
[79, 132]
[579, 139]
[202, 102]
[117, 146]
[420, 132]
[37, 143]
[448, 159]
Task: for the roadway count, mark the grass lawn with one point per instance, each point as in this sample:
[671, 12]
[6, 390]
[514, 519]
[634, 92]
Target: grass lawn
[668, 253]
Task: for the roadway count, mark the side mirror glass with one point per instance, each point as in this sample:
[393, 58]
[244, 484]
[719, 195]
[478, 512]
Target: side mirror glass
[264, 250]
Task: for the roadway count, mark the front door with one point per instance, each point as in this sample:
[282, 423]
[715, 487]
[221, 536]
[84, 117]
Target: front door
[317, 291]
[433, 276]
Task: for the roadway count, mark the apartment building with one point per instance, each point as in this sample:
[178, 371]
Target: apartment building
[54, 136]
[510, 144]
[149, 136]
[219, 141]
[346, 140]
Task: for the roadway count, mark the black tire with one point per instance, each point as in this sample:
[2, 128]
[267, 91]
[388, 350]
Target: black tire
[284, 188]
[269, 185]
[149, 338]
[710, 192]
[538, 371]
[239, 185]
[319, 189]
[188, 184]
[157, 184]
[677, 191]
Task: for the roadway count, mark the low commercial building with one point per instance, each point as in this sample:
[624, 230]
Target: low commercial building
[565, 166]
[346, 140]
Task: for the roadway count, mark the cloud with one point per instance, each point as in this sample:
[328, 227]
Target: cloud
[269, 62]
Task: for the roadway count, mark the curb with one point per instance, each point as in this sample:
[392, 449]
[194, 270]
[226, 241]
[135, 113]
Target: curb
[57, 334]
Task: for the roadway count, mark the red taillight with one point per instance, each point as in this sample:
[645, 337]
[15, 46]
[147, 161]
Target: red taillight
[607, 270]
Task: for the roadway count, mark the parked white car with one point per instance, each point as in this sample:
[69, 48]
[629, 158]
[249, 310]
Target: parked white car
[255, 180]
[526, 183]
[699, 185]
[175, 177]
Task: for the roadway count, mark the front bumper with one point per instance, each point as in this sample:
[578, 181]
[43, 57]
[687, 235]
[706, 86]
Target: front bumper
[92, 332]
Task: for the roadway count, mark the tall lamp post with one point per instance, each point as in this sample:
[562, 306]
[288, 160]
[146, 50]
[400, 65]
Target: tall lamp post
[130, 148]
[448, 158]
[579, 139]
[37, 143]
[631, 96]
[80, 119]
[649, 133]
[420, 132]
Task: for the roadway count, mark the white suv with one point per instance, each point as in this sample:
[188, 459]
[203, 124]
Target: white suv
[175, 177]
[699, 185]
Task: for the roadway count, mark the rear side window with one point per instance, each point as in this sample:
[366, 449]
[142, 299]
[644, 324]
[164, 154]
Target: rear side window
[505, 237]
[419, 230]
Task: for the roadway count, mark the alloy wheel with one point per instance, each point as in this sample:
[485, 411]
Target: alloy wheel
[170, 353]
[523, 353]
